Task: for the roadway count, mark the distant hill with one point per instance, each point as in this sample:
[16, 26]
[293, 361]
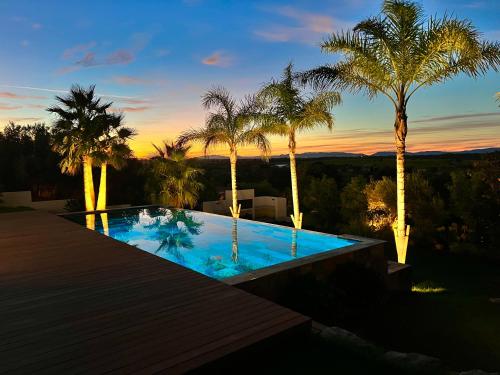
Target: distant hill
[315, 155]
[434, 153]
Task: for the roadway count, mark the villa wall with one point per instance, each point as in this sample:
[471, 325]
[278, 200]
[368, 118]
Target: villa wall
[23, 198]
[272, 207]
[261, 207]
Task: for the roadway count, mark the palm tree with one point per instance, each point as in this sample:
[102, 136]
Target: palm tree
[176, 232]
[233, 125]
[113, 150]
[395, 54]
[179, 180]
[76, 132]
[291, 112]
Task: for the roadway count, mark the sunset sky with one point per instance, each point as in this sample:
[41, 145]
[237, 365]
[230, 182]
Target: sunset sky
[154, 59]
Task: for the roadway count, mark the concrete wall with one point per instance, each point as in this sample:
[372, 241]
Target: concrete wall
[263, 207]
[16, 198]
[273, 207]
[272, 282]
[216, 207]
[242, 194]
[23, 198]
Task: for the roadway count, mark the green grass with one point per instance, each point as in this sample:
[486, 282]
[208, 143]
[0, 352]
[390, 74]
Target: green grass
[7, 209]
[449, 314]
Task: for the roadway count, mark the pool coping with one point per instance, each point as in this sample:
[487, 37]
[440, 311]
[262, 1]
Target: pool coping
[363, 243]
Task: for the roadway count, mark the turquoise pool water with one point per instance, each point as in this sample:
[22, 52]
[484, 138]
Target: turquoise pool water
[217, 246]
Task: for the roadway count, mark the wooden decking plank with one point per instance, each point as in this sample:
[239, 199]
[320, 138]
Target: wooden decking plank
[74, 299]
[121, 340]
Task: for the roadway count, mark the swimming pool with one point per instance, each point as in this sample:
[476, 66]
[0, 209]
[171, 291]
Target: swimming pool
[217, 246]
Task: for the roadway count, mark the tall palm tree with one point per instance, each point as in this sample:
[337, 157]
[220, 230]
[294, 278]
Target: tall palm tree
[113, 150]
[76, 133]
[175, 232]
[178, 178]
[230, 124]
[395, 54]
[291, 112]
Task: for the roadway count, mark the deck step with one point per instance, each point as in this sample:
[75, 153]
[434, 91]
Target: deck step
[399, 277]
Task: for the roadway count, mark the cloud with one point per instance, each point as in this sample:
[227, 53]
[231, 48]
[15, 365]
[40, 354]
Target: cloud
[126, 80]
[162, 52]
[218, 58]
[130, 109]
[129, 99]
[133, 101]
[118, 57]
[457, 117]
[25, 43]
[36, 106]
[308, 27]
[192, 2]
[36, 26]
[474, 5]
[129, 80]
[79, 48]
[89, 58]
[22, 119]
[8, 107]
[11, 95]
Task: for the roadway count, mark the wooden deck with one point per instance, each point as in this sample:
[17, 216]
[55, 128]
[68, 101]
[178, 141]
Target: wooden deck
[75, 301]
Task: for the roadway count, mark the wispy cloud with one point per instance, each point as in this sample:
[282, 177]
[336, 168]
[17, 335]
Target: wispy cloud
[8, 107]
[192, 2]
[130, 109]
[307, 28]
[88, 57]
[133, 101]
[35, 106]
[25, 43]
[474, 5]
[117, 57]
[457, 117]
[36, 26]
[79, 48]
[21, 119]
[129, 80]
[161, 52]
[218, 58]
[125, 99]
[12, 95]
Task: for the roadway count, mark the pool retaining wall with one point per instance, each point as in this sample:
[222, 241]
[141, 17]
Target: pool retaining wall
[270, 282]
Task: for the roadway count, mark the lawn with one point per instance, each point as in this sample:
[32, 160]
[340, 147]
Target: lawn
[449, 314]
[451, 317]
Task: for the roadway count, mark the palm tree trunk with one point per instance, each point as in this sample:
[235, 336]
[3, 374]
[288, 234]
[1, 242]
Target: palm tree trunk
[88, 184]
[294, 243]
[235, 207]
[90, 221]
[101, 200]
[234, 236]
[297, 215]
[401, 230]
[105, 223]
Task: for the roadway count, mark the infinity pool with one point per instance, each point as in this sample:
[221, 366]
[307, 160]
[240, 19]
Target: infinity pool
[217, 246]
